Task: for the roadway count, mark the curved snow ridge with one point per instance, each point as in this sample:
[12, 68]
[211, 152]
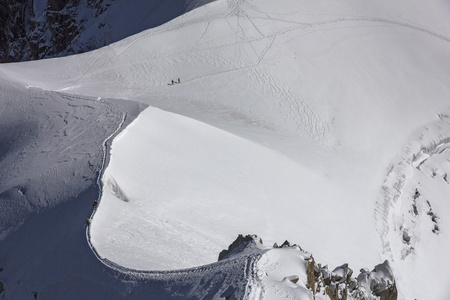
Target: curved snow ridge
[411, 213]
[235, 276]
[106, 154]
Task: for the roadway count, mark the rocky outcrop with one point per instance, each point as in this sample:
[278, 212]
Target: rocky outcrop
[240, 245]
[323, 283]
[13, 12]
[340, 285]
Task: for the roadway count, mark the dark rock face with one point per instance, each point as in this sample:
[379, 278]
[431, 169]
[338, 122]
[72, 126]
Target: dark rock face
[63, 24]
[240, 245]
[58, 4]
[13, 12]
[35, 29]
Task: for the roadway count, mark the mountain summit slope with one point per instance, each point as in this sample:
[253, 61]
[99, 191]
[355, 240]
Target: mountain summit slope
[315, 122]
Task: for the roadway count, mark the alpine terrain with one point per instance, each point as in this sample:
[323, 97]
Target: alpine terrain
[228, 149]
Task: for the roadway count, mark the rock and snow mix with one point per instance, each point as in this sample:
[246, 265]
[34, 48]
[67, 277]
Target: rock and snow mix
[289, 272]
[321, 122]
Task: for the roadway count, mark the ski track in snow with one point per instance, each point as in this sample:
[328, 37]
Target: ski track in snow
[235, 10]
[298, 111]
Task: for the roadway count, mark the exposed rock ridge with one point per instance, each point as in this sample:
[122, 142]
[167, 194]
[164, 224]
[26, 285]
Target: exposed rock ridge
[319, 281]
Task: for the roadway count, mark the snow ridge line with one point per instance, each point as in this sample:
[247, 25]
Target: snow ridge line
[105, 154]
[105, 160]
[225, 269]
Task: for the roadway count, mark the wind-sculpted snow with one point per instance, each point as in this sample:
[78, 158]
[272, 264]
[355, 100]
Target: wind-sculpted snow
[413, 201]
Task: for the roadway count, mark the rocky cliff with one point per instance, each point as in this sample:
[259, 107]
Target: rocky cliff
[36, 29]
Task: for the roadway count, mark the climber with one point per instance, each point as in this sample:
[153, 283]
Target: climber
[95, 204]
[88, 221]
[179, 80]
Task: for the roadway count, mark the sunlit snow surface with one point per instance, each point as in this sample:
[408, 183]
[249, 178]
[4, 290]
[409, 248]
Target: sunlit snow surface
[295, 120]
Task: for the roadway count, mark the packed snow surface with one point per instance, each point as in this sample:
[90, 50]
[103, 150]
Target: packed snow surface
[309, 121]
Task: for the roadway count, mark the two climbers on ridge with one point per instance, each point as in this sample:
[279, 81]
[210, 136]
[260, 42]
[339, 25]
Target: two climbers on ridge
[173, 82]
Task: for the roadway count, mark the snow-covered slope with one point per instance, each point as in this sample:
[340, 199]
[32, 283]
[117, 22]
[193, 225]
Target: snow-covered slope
[51, 147]
[309, 121]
